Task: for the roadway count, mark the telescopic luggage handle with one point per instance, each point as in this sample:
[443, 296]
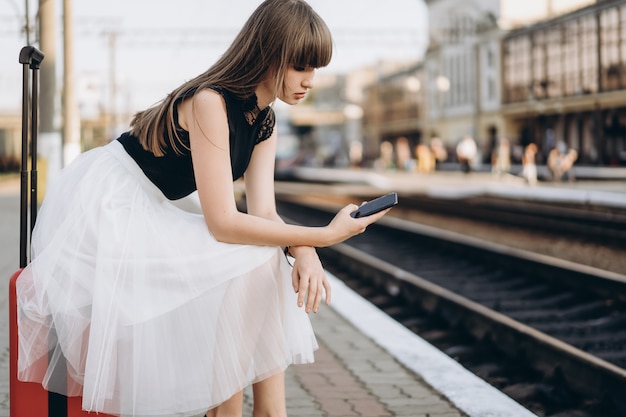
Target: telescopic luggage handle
[31, 58]
[29, 399]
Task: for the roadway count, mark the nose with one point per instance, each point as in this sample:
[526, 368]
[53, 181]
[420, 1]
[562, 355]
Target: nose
[307, 82]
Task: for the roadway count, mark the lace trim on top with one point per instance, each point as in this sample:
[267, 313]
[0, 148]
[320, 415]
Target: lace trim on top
[252, 113]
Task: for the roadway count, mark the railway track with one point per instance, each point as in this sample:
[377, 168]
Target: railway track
[549, 333]
[606, 224]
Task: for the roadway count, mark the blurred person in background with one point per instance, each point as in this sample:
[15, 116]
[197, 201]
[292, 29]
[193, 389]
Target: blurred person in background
[466, 153]
[355, 154]
[403, 154]
[385, 160]
[425, 159]
[561, 162]
[501, 158]
[529, 167]
[438, 150]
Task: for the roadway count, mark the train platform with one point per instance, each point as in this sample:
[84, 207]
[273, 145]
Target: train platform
[370, 365]
[598, 191]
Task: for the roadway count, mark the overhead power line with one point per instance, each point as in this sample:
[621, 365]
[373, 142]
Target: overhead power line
[202, 37]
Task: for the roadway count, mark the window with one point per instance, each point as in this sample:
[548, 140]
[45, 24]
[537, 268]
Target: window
[516, 64]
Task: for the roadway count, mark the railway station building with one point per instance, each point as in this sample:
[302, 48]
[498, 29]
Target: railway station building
[553, 77]
[564, 79]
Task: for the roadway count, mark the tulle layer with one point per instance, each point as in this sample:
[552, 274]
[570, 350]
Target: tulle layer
[130, 302]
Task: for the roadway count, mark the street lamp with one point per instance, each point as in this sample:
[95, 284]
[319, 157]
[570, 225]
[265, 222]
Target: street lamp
[443, 84]
[413, 84]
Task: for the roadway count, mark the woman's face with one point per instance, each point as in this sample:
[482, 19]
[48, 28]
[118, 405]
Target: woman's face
[298, 80]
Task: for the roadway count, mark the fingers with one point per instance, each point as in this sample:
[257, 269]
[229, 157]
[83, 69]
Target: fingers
[311, 292]
[327, 290]
[350, 208]
[302, 290]
[309, 281]
[314, 298]
[374, 217]
[295, 280]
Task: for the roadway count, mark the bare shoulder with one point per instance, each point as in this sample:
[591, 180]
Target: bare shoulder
[203, 103]
[208, 96]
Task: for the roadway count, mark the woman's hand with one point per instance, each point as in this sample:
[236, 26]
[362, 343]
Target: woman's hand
[309, 278]
[343, 226]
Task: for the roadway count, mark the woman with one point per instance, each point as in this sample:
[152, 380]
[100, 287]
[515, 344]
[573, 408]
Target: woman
[149, 302]
[529, 168]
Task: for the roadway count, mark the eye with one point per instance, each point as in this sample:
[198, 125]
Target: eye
[299, 68]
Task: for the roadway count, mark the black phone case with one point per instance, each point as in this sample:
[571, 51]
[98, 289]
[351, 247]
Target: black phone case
[376, 205]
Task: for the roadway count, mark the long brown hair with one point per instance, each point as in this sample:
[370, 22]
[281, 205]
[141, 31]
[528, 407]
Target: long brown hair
[278, 35]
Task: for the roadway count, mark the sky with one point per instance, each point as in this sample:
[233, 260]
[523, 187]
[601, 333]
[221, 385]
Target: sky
[160, 44]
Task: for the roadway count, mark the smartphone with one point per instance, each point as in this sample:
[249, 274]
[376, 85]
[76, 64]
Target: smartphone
[374, 206]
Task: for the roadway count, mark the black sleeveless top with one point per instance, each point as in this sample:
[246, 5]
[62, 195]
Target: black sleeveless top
[173, 173]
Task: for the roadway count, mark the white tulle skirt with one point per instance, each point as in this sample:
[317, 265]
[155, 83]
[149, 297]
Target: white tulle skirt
[130, 302]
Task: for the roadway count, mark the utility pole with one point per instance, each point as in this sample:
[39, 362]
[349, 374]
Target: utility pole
[27, 22]
[47, 42]
[113, 121]
[71, 117]
[549, 9]
[49, 136]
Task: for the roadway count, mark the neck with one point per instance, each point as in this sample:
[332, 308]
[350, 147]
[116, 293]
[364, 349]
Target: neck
[264, 95]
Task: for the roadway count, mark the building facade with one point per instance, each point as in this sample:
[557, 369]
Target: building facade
[466, 64]
[392, 109]
[564, 82]
[461, 70]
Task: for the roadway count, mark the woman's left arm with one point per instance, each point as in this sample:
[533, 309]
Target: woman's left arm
[308, 276]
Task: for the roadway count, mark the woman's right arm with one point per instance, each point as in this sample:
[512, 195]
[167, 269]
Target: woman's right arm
[205, 118]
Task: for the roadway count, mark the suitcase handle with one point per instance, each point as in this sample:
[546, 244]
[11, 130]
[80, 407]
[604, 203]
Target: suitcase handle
[31, 58]
[32, 395]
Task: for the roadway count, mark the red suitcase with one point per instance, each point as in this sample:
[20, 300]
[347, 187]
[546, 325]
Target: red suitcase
[29, 399]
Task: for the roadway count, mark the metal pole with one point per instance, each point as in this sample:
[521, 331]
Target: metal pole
[47, 42]
[24, 169]
[27, 21]
[30, 57]
[33, 146]
[71, 119]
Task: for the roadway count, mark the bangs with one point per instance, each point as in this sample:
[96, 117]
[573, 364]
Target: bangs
[312, 47]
